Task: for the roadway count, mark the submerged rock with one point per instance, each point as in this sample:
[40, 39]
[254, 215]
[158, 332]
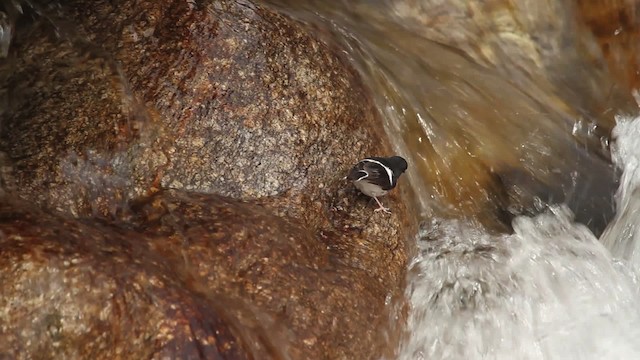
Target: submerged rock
[502, 105]
[615, 25]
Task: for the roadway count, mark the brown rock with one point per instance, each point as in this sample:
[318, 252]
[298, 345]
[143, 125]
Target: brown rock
[615, 25]
[82, 290]
[191, 275]
[222, 97]
[72, 135]
[333, 308]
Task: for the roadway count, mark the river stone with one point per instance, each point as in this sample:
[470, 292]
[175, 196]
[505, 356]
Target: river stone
[535, 58]
[190, 276]
[218, 97]
[78, 290]
[223, 96]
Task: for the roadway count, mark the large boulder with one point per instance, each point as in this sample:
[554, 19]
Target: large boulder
[79, 291]
[222, 98]
[190, 276]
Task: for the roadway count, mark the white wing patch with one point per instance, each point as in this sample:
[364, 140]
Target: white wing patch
[389, 172]
[366, 175]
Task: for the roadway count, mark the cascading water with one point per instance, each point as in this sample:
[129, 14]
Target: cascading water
[551, 290]
[622, 236]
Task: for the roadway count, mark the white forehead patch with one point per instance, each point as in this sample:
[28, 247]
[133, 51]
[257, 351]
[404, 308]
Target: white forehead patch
[389, 172]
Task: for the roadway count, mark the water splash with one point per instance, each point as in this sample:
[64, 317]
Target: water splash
[622, 236]
[551, 290]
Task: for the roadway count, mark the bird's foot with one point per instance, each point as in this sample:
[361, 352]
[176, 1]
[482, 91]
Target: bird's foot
[381, 207]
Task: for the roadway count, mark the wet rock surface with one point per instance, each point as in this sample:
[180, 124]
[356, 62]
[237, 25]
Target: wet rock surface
[223, 97]
[261, 250]
[189, 276]
[81, 290]
[615, 25]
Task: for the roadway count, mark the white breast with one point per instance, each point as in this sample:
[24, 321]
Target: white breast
[369, 189]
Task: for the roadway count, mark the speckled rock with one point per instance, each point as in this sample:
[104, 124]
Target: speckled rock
[73, 136]
[78, 290]
[278, 265]
[189, 276]
[222, 98]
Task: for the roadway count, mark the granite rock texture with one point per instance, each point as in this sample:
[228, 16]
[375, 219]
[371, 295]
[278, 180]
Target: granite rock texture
[172, 177]
[187, 276]
[224, 97]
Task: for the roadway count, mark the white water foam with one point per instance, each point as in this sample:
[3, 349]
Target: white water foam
[551, 290]
[622, 236]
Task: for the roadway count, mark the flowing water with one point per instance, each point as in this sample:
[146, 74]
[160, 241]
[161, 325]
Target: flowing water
[551, 290]
[507, 106]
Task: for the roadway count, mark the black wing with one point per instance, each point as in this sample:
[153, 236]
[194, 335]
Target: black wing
[374, 172]
[357, 173]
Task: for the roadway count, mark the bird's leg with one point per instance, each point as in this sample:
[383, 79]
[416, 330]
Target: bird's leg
[381, 207]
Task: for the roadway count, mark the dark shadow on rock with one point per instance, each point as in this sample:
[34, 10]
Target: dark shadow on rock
[588, 193]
